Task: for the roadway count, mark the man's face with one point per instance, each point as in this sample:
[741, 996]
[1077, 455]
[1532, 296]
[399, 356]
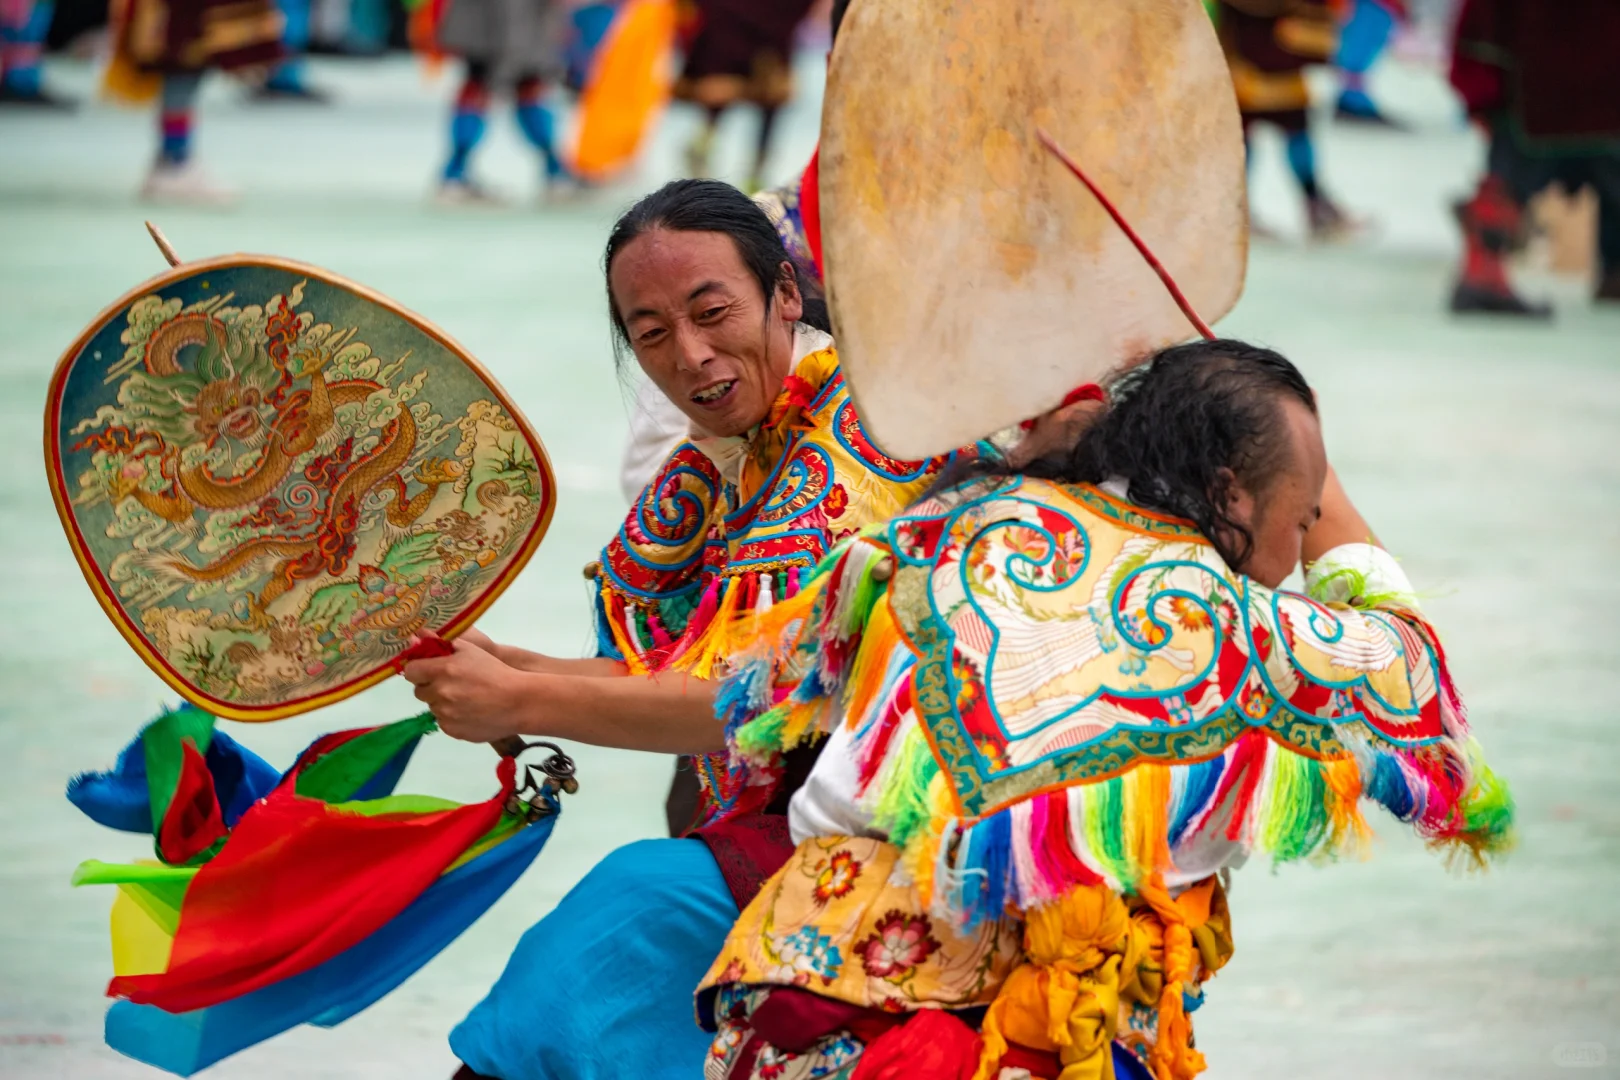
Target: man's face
[700, 327]
[1279, 517]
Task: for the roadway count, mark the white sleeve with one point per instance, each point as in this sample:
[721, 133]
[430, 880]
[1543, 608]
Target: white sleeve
[1353, 572]
[657, 427]
[827, 804]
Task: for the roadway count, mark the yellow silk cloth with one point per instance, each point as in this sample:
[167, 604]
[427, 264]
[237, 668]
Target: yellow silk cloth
[1091, 959]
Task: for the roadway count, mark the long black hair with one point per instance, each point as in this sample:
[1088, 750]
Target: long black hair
[714, 206]
[1185, 427]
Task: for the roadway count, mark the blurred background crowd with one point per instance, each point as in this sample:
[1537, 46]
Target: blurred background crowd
[1538, 79]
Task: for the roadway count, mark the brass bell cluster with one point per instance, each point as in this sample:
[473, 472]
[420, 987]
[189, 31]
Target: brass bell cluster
[538, 793]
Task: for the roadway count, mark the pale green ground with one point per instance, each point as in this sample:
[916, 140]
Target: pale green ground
[1484, 454]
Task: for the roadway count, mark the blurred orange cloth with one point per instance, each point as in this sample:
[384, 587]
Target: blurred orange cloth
[628, 85]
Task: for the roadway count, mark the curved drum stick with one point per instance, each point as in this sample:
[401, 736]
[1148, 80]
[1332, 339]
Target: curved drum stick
[1119, 219]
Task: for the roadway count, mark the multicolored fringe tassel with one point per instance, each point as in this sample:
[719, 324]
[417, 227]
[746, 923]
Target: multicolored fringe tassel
[683, 634]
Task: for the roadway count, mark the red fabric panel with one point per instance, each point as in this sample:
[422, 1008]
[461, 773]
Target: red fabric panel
[748, 848]
[1041, 1064]
[298, 882]
[932, 1045]
[193, 821]
[794, 1020]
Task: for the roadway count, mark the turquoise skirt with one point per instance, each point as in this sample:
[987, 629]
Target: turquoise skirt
[602, 987]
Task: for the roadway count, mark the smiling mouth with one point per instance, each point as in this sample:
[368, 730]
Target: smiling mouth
[713, 395]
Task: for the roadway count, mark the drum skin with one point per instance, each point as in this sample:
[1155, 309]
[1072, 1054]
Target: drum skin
[973, 281]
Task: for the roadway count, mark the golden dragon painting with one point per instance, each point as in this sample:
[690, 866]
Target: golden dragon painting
[275, 479]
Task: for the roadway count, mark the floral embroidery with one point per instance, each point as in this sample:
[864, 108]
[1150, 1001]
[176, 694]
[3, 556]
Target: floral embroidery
[837, 1052]
[838, 878]
[725, 1041]
[836, 502]
[994, 758]
[1190, 614]
[808, 952]
[969, 691]
[1149, 631]
[771, 1062]
[899, 944]
[1257, 704]
[1132, 663]
[1025, 542]
[790, 936]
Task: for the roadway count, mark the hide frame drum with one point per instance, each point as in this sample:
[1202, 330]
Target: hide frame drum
[973, 282]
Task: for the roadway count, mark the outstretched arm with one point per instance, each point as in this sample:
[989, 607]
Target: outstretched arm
[477, 696]
[540, 663]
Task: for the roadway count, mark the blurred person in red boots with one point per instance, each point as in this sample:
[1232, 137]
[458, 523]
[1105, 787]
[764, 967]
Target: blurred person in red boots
[1542, 81]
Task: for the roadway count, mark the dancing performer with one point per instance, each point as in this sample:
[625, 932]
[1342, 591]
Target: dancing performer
[1063, 695]
[778, 470]
[161, 50]
[1362, 40]
[795, 209]
[23, 26]
[742, 52]
[504, 43]
[1543, 85]
[657, 426]
[1063, 700]
[1268, 44]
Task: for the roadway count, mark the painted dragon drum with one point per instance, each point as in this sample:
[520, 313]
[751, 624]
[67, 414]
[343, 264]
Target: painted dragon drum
[272, 478]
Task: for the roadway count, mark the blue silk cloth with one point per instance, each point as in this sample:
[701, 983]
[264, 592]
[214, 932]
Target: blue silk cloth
[601, 988]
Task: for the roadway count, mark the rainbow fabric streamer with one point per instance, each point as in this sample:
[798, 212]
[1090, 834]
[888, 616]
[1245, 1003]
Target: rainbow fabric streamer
[283, 898]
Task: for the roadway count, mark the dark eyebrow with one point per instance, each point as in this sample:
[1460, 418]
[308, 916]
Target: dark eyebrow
[707, 286]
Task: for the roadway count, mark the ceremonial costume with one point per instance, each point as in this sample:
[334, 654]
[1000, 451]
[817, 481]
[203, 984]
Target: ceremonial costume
[1058, 707]
[728, 528]
[795, 210]
[658, 427]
